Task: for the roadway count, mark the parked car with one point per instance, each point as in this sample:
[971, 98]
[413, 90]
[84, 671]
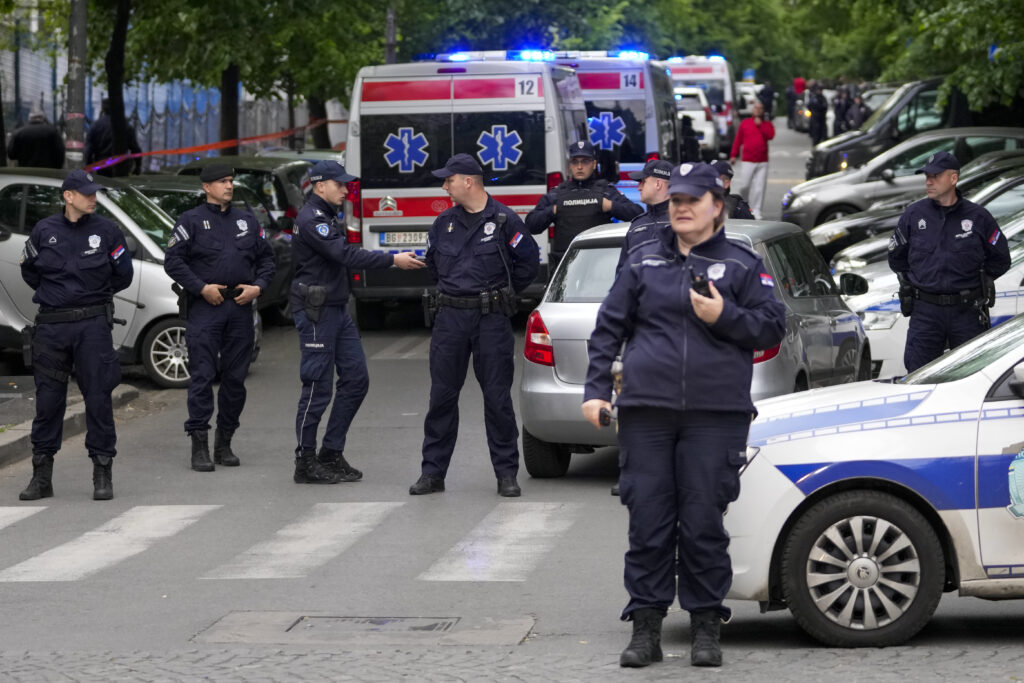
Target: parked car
[889, 174]
[877, 97]
[311, 154]
[176, 194]
[825, 342]
[862, 504]
[692, 102]
[153, 335]
[748, 95]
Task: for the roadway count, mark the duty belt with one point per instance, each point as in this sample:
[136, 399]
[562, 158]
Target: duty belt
[66, 315]
[486, 302]
[967, 296]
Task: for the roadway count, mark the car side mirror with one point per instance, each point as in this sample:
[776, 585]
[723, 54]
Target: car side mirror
[888, 174]
[852, 284]
[132, 244]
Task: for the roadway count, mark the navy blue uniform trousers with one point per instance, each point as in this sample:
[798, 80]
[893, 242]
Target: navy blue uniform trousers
[87, 346]
[225, 331]
[935, 328]
[332, 343]
[459, 333]
[679, 470]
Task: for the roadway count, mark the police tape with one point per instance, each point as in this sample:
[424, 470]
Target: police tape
[111, 161]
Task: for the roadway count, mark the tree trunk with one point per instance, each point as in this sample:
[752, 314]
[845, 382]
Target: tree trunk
[229, 80]
[3, 129]
[318, 110]
[114, 63]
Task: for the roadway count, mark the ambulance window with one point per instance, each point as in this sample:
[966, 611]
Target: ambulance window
[715, 90]
[619, 126]
[400, 150]
[508, 144]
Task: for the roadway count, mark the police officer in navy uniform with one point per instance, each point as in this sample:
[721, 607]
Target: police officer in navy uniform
[652, 182]
[579, 203]
[75, 261]
[735, 205]
[220, 256]
[946, 250]
[480, 255]
[684, 409]
[328, 337]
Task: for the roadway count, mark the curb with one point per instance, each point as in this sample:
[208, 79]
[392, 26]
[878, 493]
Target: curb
[16, 442]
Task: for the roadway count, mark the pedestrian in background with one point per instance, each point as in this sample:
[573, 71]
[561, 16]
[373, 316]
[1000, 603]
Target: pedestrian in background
[840, 107]
[735, 205]
[817, 105]
[857, 113]
[481, 255]
[76, 262]
[946, 250]
[38, 143]
[99, 145]
[220, 257]
[328, 338]
[766, 95]
[791, 98]
[751, 146]
[691, 308]
[689, 145]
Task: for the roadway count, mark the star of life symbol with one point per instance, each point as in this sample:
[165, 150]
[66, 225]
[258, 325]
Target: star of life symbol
[94, 241]
[606, 130]
[407, 150]
[499, 147]
[1016, 481]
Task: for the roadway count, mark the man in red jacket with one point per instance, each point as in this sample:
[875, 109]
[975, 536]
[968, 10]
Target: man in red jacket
[752, 138]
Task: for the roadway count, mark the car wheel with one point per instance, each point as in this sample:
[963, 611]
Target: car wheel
[165, 355]
[544, 460]
[862, 569]
[864, 370]
[834, 212]
[369, 315]
[847, 359]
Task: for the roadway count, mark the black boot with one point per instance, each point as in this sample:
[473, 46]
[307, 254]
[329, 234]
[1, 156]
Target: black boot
[41, 484]
[309, 471]
[334, 461]
[705, 631]
[222, 453]
[102, 477]
[645, 646]
[201, 451]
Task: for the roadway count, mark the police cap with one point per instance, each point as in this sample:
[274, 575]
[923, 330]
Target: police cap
[460, 163]
[329, 170]
[80, 181]
[694, 180]
[215, 172]
[581, 148]
[939, 162]
[655, 168]
[723, 167]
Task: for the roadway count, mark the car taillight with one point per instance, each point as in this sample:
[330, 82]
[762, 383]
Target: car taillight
[555, 179]
[707, 113]
[353, 235]
[653, 156]
[537, 348]
[761, 356]
[355, 196]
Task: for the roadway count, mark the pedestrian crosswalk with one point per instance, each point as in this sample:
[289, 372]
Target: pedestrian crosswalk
[508, 543]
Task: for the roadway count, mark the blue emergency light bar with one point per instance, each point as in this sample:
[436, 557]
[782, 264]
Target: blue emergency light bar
[630, 54]
[531, 55]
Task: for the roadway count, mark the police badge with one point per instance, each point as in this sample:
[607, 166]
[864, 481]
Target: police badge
[716, 271]
[966, 225]
[94, 241]
[489, 228]
[243, 227]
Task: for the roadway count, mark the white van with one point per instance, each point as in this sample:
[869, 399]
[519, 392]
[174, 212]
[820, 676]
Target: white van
[714, 75]
[516, 116]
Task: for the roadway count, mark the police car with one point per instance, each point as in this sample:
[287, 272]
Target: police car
[861, 504]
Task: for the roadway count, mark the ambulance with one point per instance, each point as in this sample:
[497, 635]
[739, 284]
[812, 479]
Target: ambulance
[714, 75]
[515, 114]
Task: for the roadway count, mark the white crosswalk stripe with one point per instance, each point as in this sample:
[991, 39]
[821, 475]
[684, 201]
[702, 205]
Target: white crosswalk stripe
[10, 515]
[507, 545]
[324, 533]
[405, 348]
[119, 539]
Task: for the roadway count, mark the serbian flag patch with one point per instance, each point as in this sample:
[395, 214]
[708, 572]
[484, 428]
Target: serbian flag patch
[516, 239]
[116, 254]
[994, 238]
[767, 280]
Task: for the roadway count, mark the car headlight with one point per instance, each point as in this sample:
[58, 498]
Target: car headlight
[802, 200]
[879, 320]
[820, 238]
[846, 265]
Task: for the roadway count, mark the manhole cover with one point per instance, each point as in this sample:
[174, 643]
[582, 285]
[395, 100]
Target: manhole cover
[376, 624]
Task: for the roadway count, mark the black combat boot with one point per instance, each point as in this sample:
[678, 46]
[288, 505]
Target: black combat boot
[705, 631]
[222, 453]
[201, 451]
[309, 471]
[102, 477]
[334, 461]
[645, 646]
[41, 484]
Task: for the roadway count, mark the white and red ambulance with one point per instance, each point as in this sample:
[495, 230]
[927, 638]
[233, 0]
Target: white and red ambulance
[516, 115]
[714, 75]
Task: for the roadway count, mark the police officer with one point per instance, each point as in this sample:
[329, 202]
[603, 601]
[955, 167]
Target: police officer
[219, 255]
[481, 255]
[684, 409]
[75, 261]
[946, 251]
[579, 203]
[652, 182]
[328, 338]
[735, 205]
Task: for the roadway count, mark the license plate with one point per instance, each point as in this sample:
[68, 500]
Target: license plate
[390, 239]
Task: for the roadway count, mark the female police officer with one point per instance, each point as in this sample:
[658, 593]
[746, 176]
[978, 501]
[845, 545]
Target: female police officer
[684, 407]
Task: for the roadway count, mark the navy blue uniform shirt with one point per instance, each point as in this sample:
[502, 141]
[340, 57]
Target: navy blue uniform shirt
[943, 249]
[647, 226]
[75, 264]
[463, 251]
[209, 246]
[322, 254]
[673, 359]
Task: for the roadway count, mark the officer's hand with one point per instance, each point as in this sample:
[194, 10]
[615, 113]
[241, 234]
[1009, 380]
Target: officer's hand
[554, 208]
[732, 161]
[592, 410]
[707, 309]
[408, 261]
[212, 294]
[249, 292]
[606, 204]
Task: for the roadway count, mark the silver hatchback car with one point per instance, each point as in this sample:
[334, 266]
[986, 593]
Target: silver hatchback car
[825, 342]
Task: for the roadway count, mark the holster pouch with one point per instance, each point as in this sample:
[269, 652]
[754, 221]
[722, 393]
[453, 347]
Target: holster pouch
[313, 303]
[508, 301]
[184, 300]
[988, 289]
[906, 299]
[429, 301]
[27, 334]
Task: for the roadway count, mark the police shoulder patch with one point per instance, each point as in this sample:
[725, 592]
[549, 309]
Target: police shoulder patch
[323, 229]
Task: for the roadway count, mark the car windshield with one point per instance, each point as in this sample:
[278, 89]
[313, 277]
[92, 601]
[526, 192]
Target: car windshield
[975, 355]
[889, 105]
[586, 272]
[147, 215]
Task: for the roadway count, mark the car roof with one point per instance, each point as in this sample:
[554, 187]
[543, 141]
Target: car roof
[187, 183]
[752, 232]
[248, 162]
[58, 174]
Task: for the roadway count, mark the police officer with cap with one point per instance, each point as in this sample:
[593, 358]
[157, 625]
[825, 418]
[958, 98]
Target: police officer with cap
[219, 255]
[652, 181]
[579, 203]
[75, 261]
[735, 205]
[691, 307]
[328, 337]
[947, 251]
[480, 255]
